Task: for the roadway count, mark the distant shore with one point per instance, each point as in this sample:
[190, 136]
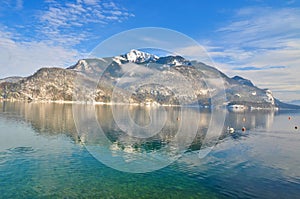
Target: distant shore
[89, 103]
[147, 104]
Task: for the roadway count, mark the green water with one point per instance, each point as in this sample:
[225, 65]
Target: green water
[42, 156]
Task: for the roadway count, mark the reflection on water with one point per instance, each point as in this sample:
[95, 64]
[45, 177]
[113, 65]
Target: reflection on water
[52, 119]
[41, 153]
[45, 118]
[134, 130]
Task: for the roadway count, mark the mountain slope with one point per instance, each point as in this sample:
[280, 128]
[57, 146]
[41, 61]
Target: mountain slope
[139, 77]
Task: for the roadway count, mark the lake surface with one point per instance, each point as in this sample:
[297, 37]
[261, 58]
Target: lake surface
[44, 155]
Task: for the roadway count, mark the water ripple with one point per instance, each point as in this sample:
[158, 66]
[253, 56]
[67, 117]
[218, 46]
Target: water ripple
[21, 150]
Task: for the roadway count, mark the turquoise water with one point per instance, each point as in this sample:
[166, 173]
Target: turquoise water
[42, 156]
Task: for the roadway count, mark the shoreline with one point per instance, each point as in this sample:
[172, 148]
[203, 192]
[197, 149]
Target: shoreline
[253, 109]
[92, 103]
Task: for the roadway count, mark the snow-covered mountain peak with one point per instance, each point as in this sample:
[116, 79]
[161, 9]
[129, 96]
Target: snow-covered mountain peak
[137, 56]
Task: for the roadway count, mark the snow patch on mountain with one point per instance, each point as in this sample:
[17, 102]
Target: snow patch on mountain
[177, 62]
[269, 97]
[119, 59]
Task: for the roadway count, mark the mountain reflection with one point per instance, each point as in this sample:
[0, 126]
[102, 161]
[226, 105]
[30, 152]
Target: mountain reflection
[45, 118]
[133, 128]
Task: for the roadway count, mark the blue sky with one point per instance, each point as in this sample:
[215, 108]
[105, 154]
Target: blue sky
[257, 39]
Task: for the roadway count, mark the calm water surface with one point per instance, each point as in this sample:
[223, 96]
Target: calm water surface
[43, 156]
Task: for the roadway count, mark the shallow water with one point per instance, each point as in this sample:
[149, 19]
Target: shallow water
[42, 155]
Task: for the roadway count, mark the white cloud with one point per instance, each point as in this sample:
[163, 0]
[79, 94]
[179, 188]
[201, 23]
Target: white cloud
[61, 22]
[12, 4]
[91, 2]
[24, 58]
[262, 37]
[54, 34]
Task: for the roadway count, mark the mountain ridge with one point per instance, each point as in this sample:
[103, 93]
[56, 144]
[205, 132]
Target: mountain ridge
[58, 84]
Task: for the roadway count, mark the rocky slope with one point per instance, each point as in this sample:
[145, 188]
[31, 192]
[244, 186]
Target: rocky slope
[139, 77]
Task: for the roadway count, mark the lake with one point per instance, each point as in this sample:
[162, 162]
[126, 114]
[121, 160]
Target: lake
[58, 151]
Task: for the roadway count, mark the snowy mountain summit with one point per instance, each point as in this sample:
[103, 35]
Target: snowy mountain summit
[137, 56]
[140, 57]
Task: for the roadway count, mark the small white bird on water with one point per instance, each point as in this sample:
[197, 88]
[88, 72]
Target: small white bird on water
[230, 129]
